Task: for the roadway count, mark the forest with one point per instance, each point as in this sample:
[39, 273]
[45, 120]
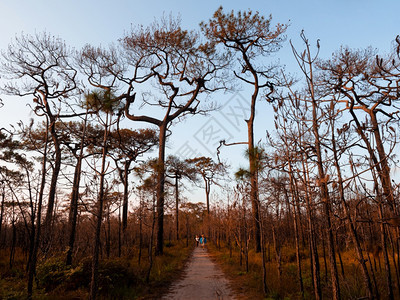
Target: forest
[93, 202]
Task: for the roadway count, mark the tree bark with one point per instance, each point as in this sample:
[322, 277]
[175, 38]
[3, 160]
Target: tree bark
[125, 205]
[54, 178]
[73, 213]
[253, 173]
[32, 263]
[160, 189]
[177, 205]
[99, 217]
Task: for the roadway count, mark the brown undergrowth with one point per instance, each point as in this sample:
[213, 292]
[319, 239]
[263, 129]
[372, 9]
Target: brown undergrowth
[248, 284]
[119, 278]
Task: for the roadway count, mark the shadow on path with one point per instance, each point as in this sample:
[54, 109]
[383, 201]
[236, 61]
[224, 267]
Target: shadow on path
[202, 280]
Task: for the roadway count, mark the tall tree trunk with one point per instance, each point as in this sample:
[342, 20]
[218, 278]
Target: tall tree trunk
[160, 189]
[389, 286]
[177, 205]
[140, 228]
[293, 191]
[278, 256]
[13, 239]
[298, 256]
[351, 225]
[32, 217]
[54, 179]
[32, 263]
[125, 205]
[151, 244]
[73, 213]
[99, 217]
[324, 194]
[119, 231]
[3, 197]
[312, 236]
[384, 173]
[263, 260]
[383, 176]
[107, 230]
[253, 177]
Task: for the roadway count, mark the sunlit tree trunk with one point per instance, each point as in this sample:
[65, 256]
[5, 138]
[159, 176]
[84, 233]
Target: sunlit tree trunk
[177, 206]
[375, 165]
[54, 178]
[99, 216]
[312, 236]
[160, 190]
[383, 235]
[32, 263]
[73, 213]
[350, 221]
[253, 170]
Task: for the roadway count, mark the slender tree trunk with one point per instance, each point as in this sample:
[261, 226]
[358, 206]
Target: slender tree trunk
[125, 204]
[207, 188]
[296, 230]
[315, 268]
[383, 176]
[99, 217]
[119, 231]
[384, 173]
[323, 187]
[177, 205]
[277, 255]
[298, 256]
[151, 246]
[54, 180]
[393, 249]
[73, 213]
[108, 232]
[32, 263]
[253, 179]
[160, 190]
[140, 228]
[263, 262]
[32, 224]
[3, 197]
[351, 225]
[13, 240]
[323, 238]
[340, 257]
[389, 287]
[187, 230]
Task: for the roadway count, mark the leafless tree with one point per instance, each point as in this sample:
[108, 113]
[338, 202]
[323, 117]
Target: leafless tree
[180, 68]
[250, 38]
[40, 66]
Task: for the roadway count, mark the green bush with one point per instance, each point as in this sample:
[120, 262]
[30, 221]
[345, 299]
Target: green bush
[113, 274]
[51, 273]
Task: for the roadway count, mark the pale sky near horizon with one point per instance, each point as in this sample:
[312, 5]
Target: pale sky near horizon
[353, 23]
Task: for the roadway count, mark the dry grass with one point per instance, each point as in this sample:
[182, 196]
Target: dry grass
[120, 278]
[248, 285]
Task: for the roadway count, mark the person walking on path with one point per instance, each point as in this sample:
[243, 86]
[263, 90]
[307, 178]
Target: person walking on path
[202, 280]
[203, 241]
[197, 240]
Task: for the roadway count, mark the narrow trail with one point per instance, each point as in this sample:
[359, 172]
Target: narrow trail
[202, 280]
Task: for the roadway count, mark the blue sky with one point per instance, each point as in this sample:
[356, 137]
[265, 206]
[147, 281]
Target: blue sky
[354, 23]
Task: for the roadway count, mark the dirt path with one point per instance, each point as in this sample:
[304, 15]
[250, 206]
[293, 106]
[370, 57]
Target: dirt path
[202, 280]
